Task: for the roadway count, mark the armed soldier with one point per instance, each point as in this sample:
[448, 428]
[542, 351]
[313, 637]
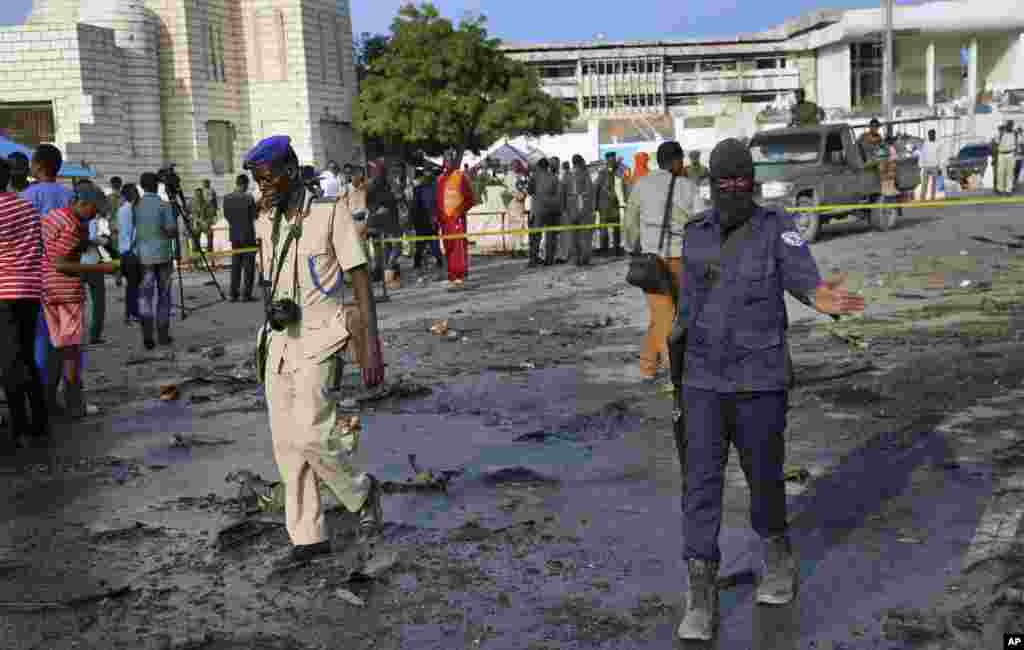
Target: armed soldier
[805, 113]
[314, 245]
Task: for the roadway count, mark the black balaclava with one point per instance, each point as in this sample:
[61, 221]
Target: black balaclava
[730, 159]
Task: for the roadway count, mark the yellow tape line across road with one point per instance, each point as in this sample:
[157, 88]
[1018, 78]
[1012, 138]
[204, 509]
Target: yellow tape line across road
[908, 205]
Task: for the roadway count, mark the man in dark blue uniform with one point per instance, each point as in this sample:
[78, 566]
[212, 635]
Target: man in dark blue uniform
[738, 260]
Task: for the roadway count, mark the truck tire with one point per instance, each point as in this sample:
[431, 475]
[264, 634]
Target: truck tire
[807, 223]
[883, 219]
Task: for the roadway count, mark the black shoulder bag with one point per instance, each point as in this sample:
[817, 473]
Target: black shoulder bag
[646, 270]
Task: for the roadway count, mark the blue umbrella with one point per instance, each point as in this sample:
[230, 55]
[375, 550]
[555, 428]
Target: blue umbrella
[67, 170]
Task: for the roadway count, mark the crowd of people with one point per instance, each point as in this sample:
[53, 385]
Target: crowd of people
[714, 292]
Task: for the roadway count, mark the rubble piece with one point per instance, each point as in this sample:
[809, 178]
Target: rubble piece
[71, 603]
[997, 242]
[241, 532]
[516, 474]
[400, 388]
[472, 531]
[168, 393]
[185, 440]
[111, 533]
[1011, 596]
[796, 474]
[350, 598]
[914, 626]
[11, 566]
[373, 567]
[839, 374]
[439, 328]
[216, 352]
[251, 487]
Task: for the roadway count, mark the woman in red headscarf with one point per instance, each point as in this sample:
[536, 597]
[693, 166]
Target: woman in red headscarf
[454, 200]
[640, 162]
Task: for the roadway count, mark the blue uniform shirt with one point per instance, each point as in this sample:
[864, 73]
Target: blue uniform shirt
[732, 302]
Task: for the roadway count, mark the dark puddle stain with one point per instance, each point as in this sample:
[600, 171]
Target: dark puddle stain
[842, 584]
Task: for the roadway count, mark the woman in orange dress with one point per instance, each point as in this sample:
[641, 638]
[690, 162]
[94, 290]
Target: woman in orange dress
[454, 200]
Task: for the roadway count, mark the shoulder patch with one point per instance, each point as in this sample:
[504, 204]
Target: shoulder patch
[792, 238]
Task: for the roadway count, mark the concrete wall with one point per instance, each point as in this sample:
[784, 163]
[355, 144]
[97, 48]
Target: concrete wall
[77, 70]
[833, 76]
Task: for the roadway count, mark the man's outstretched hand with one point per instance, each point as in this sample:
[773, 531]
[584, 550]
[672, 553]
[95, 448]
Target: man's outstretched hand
[832, 297]
[373, 371]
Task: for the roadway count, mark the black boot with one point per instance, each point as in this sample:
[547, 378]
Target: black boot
[147, 333]
[163, 331]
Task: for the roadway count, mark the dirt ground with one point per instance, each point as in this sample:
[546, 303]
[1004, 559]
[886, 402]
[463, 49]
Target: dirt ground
[560, 526]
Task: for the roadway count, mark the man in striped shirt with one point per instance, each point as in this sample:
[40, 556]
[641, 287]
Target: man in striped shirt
[64, 230]
[20, 291]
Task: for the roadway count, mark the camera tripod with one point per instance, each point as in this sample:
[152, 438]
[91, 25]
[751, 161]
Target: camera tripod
[181, 211]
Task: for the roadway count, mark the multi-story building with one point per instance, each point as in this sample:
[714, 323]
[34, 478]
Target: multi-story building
[127, 86]
[949, 57]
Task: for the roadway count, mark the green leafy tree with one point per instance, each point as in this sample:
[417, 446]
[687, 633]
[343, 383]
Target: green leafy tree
[438, 86]
[369, 47]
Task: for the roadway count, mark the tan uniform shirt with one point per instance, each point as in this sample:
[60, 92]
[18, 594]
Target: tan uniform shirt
[330, 244]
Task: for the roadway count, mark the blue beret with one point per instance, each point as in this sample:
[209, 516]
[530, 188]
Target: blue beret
[268, 151]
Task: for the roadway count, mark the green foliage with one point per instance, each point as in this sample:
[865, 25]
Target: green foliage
[369, 48]
[438, 86]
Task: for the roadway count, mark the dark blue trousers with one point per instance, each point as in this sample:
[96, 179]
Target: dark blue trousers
[755, 423]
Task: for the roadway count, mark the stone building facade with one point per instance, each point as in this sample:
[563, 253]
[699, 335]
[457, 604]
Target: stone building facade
[949, 56]
[131, 85]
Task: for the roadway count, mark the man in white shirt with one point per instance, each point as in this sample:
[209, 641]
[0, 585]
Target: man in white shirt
[931, 161]
[329, 181]
[642, 230]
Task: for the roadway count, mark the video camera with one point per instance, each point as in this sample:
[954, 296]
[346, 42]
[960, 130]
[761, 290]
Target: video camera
[170, 179]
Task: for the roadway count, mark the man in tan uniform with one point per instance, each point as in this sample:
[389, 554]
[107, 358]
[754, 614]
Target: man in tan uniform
[312, 250]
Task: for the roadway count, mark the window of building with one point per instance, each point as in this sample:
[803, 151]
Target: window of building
[767, 64]
[220, 136]
[28, 123]
[718, 66]
[757, 98]
[684, 67]
[834, 152]
[683, 100]
[702, 122]
[215, 40]
[323, 46]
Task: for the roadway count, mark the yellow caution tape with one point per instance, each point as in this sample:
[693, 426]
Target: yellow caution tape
[846, 207]
[907, 205]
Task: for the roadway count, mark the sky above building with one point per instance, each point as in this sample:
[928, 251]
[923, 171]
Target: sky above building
[570, 20]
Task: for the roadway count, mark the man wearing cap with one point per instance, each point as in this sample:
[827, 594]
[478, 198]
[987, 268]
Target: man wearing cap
[739, 260]
[313, 246]
[610, 197]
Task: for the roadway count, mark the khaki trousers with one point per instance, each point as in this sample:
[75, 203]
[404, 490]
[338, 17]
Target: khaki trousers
[309, 449]
[1004, 174]
[661, 313]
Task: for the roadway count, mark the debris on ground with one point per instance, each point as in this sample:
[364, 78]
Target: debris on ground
[472, 531]
[216, 352]
[71, 603]
[244, 531]
[251, 489]
[514, 474]
[349, 597]
[423, 480]
[112, 533]
[168, 393]
[914, 626]
[403, 387]
[796, 474]
[185, 440]
[378, 563]
[439, 328]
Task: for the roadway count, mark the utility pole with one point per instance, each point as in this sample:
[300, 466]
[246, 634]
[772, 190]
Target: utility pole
[887, 64]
